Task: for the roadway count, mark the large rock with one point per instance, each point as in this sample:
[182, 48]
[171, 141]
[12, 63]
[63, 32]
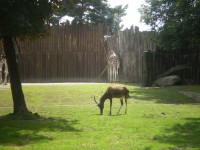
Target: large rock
[168, 81]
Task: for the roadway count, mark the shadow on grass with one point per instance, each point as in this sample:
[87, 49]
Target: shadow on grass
[23, 130]
[182, 135]
[161, 95]
[113, 115]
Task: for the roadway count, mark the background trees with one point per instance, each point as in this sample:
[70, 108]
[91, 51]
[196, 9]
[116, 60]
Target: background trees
[176, 22]
[90, 11]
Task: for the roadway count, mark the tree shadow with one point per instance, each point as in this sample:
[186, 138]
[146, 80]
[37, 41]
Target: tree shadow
[182, 135]
[161, 95]
[20, 131]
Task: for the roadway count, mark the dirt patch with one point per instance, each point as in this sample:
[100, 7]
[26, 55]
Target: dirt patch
[195, 96]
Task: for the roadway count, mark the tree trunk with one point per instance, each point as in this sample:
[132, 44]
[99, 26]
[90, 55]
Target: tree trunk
[15, 82]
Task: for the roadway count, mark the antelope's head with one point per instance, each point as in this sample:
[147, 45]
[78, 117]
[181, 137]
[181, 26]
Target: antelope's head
[101, 107]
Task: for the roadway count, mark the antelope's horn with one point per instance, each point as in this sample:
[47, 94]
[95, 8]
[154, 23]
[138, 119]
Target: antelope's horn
[95, 100]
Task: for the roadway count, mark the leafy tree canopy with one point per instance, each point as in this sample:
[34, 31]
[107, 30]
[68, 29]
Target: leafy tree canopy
[90, 11]
[19, 18]
[176, 22]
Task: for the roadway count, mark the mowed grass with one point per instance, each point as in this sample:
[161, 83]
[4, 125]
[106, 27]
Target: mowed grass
[157, 118]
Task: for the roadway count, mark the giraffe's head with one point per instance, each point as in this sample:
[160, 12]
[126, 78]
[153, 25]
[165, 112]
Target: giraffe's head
[106, 37]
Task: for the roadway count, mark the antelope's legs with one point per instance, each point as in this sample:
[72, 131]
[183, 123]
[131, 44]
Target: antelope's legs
[121, 100]
[126, 105]
[110, 106]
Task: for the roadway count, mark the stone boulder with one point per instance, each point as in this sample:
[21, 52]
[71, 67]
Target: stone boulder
[168, 81]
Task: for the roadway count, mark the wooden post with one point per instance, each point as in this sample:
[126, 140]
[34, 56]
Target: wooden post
[147, 69]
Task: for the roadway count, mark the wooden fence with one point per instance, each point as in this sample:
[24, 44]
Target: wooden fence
[184, 63]
[71, 53]
[164, 60]
[130, 45]
[75, 53]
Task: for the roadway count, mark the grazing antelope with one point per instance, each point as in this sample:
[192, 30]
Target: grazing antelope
[113, 92]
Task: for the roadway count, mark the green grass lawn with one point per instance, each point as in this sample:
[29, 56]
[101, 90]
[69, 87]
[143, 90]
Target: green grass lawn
[157, 118]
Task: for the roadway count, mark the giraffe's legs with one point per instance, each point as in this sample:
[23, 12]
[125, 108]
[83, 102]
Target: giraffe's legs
[115, 74]
[6, 79]
[109, 73]
[112, 73]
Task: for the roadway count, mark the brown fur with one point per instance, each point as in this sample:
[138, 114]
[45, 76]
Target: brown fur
[114, 92]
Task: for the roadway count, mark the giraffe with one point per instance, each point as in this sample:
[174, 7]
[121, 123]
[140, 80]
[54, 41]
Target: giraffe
[4, 70]
[112, 60]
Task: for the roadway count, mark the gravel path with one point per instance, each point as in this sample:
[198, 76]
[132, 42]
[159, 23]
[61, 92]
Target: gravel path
[195, 96]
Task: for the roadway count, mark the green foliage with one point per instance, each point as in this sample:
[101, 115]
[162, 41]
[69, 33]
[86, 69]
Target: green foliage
[115, 18]
[20, 18]
[91, 11]
[176, 22]
[157, 118]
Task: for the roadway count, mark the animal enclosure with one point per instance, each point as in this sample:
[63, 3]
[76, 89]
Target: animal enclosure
[75, 53]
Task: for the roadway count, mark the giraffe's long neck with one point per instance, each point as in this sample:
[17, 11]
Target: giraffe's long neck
[109, 48]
